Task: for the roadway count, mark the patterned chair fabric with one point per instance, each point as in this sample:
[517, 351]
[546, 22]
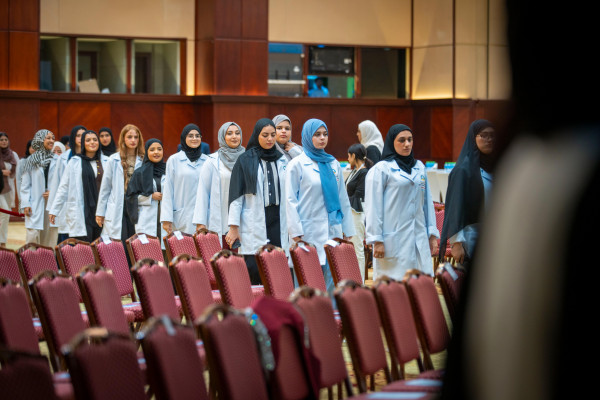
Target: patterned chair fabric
[193, 286]
[275, 272]
[155, 290]
[439, 222]
[105, 369]
[232, 355]
[233, 279]
[112, 256]
[324, 334]
[16, 324]
[175, 246]
[9, 265]
[432, 328]
[139, 251]
[451, 279]
[343, 262]
[307, 266]
[57, 302]
[25, 376]
[102, 300]
[173, 363]
[72, 256]
[208, 245]
[35, 259]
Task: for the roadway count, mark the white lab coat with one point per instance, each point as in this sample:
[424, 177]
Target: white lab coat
[179, 192]
[111, 196]
[399, 212]
[10, 195]
[306, 212]
[54, 179]
[32, 188]
[248, 212]
[208, 196]
[69, 197]
[148, 214]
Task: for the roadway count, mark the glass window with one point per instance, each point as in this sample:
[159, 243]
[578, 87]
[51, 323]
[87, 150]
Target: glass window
[55, 61]
[101, 65]
[383, 73]
[286, 69]
[155, 67]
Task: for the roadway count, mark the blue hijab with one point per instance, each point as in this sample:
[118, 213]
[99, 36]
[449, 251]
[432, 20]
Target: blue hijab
[328, 181]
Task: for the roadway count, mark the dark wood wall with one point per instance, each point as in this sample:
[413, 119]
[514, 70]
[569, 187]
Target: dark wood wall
[439, 126]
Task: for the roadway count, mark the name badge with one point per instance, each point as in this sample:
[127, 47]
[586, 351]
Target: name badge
[143, 239]
[178, 235]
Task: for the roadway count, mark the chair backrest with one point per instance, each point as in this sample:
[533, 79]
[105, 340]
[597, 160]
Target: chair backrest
[398, 321]
[101, 298]
[58, 306]
[362, 329]
[232, 354]
[173, 365]
[25, 376]
[144, 246]
[432, 328]
[192, 285]
[155, 289]
[36, 258]
[111, 255]
[451, 279]
[208, 244]
[274, 271]
[324, 334]
[307, 266]
[16, 323]
[104, 365]
[9, 265]
[73, 255]
[233, 279]
[177, 243]
[343, 261]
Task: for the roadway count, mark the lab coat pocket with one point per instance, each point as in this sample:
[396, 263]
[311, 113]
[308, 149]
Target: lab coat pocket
[177, 218]
[391, 244]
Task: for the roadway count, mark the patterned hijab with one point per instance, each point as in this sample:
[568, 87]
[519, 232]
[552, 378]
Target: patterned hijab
[41, 157]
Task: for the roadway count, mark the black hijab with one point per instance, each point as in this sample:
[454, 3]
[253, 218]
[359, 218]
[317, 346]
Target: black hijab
[111, 148]
[72, 144]
[142, 182]
[464, 195]
[27, 152]
[389, 152]
[191, 153]
[245, 171]
[89, 182]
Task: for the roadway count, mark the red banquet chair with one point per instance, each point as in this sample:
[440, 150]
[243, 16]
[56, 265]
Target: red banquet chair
[10, 267]
[343, 261]
[208, 245]
[274, 271]
[73, 255]
[307, 266]
[233, 279]
[177, 243]
[155, 289]
[451, 279]
[144, 246]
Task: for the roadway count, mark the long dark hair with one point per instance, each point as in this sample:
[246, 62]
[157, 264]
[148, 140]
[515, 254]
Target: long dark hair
[360, 153]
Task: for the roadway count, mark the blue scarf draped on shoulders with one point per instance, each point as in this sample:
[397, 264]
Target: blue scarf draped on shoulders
[328, 181]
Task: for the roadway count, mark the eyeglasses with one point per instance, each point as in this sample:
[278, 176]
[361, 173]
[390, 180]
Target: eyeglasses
[487, 136]
[194, 136]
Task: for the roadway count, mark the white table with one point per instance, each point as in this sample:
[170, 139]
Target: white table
[438, 183]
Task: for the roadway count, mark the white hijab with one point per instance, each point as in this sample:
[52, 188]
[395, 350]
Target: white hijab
[370, 135]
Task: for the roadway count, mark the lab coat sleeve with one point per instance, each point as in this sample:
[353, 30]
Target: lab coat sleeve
[62, 192]
[374, 184]
[295, 151]
[293, 176]
[25, 191]
[235, 211]
[105, 188]
[429, 213]
[53, 181]
[202, 207]
[166, 208]
[347, 221]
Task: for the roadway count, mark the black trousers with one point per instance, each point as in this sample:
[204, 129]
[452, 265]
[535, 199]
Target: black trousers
[273, 226]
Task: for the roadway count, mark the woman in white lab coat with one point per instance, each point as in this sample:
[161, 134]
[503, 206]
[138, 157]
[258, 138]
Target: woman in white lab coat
[212, 198]
[77, 193]
[57, 174]
[144, 192]
[317, 205]
[469, 188]
[400, 219]
[33, 195]
[8, 168]
[111, 214]
[181, 183]
[256, 195]
[283, 131]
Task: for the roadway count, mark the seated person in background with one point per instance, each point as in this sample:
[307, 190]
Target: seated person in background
[318, 90]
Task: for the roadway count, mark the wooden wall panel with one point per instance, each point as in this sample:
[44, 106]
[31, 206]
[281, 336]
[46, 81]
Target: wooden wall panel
[441, 133]
[228, 66]
[421, 128]
[4, 15]
[175, 117]
[228, 19]
[243, 114]
[205, 120]
[48, 118]
[148, 117]
[388, 116]
[205, 67]
[343, 127]
[462, 118]
[24, 15]
[19, 119]
[24, 60]
[4, 67]
[254, 68]
[255, 19]
[92, 115]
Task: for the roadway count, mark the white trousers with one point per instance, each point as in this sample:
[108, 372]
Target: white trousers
[358, 240]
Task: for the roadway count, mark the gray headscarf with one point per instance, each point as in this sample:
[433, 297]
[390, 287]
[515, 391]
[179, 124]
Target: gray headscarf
[41, 157]
[227, 154]
[277, 120]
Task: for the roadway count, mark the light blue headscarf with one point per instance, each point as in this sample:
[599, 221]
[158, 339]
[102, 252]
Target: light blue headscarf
[328, 181]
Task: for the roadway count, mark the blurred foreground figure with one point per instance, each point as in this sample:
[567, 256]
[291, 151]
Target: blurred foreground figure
[525, 331]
